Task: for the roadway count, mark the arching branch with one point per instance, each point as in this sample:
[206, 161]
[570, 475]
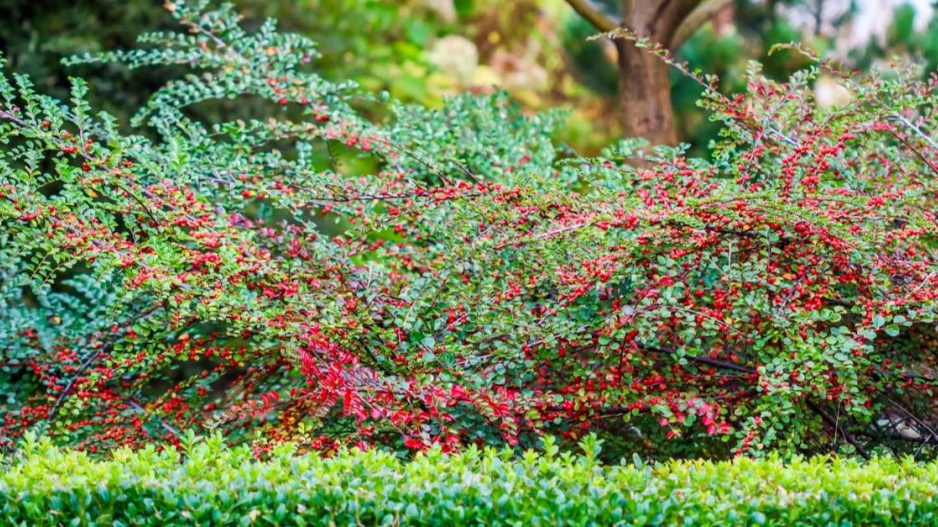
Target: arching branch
[593, 15]
[697, 18]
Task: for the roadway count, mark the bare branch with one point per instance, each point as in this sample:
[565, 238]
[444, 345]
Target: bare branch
[826, 417]
[594, 16]
[702, 359]
[136, 406]
[918, 131]
[697, 18]
[52, 413]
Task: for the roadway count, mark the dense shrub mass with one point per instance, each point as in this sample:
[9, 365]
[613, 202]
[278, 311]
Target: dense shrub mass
[213, 485]
[423, 277]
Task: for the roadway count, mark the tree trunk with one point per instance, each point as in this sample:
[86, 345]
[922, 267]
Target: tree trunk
[644, 88]
[645, 96]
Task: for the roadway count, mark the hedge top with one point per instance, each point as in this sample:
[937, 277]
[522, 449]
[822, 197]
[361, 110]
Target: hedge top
[214, 484]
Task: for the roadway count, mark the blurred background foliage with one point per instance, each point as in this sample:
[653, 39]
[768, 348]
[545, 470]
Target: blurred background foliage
[423, 50]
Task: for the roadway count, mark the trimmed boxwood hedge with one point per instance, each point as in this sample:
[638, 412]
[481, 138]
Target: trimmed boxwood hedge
[211, 484]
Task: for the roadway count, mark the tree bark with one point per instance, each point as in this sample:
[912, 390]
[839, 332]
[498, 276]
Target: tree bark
[644, 96]
[644, 87]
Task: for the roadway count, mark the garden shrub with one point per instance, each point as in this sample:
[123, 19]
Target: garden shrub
[260, 279]
[214, 485]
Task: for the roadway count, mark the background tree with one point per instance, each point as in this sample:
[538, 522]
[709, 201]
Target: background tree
[644, 87]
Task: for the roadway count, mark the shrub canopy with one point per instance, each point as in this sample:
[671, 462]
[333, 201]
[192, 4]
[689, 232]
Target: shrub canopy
[447, 277]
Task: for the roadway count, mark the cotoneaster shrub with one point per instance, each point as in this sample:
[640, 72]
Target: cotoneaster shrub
[214, 485]
[257, 278]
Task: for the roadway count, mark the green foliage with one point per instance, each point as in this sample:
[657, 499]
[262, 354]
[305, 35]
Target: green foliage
[215, 485]
[382, 46]
[487, 135]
